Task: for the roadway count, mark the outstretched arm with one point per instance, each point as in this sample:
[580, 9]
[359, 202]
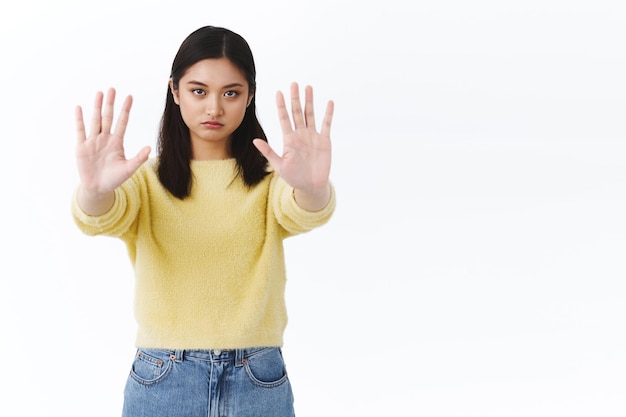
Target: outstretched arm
[305, 163]
[102, 164]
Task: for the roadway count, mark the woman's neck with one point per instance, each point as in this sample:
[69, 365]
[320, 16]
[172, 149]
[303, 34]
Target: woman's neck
[210, 153]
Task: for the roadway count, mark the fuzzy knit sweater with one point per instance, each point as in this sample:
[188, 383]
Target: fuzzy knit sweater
[209, 269]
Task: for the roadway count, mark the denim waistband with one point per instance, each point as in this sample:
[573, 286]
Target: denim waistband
[213, 355]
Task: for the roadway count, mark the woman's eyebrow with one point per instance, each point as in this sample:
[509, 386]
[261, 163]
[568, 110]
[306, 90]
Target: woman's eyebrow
[201, 84]
[197, 83]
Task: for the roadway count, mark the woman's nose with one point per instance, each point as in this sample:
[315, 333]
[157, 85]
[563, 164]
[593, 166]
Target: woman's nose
[213, 106]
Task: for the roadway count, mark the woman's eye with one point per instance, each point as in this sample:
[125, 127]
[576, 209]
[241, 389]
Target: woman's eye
[198, 91]
[231, 93]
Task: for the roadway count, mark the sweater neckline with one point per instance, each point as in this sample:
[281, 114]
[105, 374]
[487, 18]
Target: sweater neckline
[212, 162]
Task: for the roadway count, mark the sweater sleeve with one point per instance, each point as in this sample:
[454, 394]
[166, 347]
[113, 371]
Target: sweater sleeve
[115, 222]
[293, 218]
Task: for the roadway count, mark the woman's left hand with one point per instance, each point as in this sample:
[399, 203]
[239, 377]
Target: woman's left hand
[305, 164]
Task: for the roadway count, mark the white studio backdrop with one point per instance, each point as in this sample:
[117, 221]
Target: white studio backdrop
[474, 266]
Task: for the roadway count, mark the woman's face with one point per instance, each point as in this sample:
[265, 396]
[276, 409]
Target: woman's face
[213, 96]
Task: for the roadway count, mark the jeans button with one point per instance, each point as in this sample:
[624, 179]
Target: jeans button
[217, 351]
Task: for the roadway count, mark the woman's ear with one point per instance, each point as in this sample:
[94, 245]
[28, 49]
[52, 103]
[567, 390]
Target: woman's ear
[174, 92]
[250, 97]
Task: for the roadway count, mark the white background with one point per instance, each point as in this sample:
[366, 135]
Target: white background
[475, 264]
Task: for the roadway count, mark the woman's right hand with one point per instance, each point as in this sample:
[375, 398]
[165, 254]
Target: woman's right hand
[102, 164]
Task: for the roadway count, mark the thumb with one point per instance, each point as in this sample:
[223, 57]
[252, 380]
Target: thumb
[140, 158]
[266, 150]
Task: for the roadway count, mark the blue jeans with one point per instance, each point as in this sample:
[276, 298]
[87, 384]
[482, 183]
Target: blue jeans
[208, 383]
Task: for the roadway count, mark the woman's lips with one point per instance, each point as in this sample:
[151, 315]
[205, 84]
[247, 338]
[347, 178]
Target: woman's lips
[211, 124]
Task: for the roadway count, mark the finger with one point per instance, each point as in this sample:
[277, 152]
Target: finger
[296, 108]
[107, 113]
[122, 121]
[80, 125]
[272, 157]
[309, 114]
[140, 158]
[283, 116]
[328, 118]
[96, 118]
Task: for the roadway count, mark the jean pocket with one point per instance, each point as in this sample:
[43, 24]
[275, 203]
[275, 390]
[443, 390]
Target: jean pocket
[266, 368]
[151, 366]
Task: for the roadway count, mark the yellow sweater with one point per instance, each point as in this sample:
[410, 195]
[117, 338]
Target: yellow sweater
[209, 270]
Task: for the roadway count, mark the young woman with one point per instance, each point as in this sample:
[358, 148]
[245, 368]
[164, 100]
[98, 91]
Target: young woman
[204, 224]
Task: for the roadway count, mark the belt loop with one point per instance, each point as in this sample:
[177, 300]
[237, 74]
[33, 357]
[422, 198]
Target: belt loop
[177, 356]
[239, 357]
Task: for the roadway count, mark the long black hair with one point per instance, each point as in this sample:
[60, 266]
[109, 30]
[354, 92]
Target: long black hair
[174, 144]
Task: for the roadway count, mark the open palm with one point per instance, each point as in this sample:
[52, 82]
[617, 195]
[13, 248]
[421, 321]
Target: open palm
[306, 159]
[100, 157]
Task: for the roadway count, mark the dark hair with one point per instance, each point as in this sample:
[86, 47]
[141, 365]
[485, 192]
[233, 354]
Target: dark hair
[174, 144]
